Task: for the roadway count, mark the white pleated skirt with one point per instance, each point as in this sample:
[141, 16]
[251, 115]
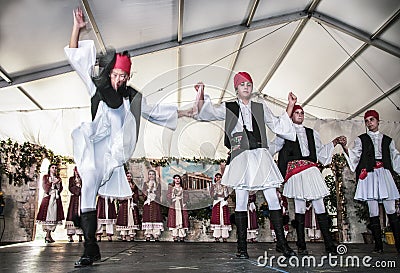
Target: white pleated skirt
[101, 147]
[378, 185]
[306, 185]
[252, 170]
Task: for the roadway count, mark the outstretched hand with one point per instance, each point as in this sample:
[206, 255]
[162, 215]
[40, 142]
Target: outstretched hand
[79, 21]
[186, 113]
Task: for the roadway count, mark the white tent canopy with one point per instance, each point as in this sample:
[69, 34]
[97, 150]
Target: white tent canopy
[340, 57]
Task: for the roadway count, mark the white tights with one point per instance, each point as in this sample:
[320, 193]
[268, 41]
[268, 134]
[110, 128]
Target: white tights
[242, 198]
[318, 205]
[373, 207]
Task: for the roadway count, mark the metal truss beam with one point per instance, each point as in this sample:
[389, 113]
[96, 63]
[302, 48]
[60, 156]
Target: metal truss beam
[64, 67]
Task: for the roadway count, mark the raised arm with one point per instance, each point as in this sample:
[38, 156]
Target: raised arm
[79, 23]
[199, 87]
[198, 105]
[292, 99]
[325, 151]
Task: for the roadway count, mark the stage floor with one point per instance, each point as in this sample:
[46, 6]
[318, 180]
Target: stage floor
[140, 256]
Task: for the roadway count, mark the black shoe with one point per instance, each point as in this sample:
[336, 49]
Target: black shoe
[286, 251]
[302, 251]
[242, 255]
[325, 225]
[91, 248]
[241, 226]
[281, 243]
[375, 226]
[377, 250]
[86, 261]
[331, 249]
[299, 222]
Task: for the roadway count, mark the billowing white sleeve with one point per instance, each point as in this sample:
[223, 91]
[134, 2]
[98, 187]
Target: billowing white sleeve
[324, 151]
[276, 145]
[82, 60]
[280, 125]
[164, 115]
[209, 111]
[395, 157]
[354, 154]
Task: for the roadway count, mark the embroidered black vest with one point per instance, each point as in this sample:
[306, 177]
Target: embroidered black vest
[231, 119]
[291, 151]
[367, 159]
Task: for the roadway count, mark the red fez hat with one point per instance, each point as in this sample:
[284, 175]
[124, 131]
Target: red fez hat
[241, 77]
[372, 113]
[123, 62]
[296, 107]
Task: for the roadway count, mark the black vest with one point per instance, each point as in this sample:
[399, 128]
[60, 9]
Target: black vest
[114, 99]
[291, 151]
[367, 159]
[231, 119]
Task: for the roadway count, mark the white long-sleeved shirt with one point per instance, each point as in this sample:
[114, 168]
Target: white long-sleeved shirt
[355, 152]
[281, 125]
[324, 151]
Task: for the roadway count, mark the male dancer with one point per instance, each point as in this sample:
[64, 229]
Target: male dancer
[297, 162]
[102, 146]
[373, 157]
[251, 167]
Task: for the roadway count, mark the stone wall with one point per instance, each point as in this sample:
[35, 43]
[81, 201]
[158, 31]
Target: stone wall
[19, 211]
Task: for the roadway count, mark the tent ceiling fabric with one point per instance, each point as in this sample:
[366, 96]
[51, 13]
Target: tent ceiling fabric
[302, 46]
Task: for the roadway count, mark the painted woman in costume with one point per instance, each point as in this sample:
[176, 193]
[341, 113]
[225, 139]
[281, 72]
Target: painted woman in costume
[220, 222]
[178, 218]
[51, 212]
[74, 210]
[152, 217]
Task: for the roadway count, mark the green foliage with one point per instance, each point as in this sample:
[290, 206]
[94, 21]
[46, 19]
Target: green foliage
[362, 211]
[165, 161]
[18, 159]
[200, 214]
[331, 200]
